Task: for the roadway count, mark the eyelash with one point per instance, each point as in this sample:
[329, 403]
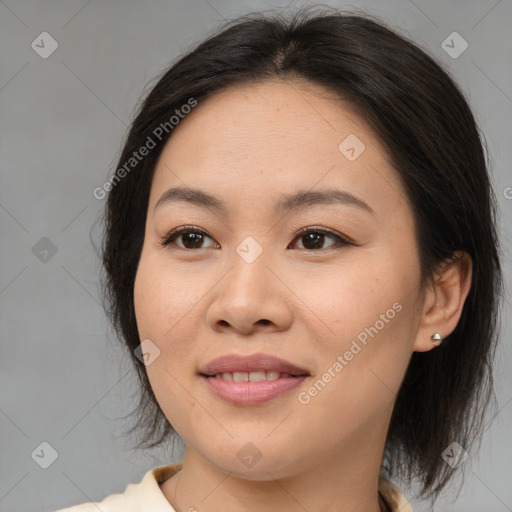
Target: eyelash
[167, 239]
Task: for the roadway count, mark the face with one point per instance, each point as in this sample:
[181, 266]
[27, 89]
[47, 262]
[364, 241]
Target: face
[328, 283]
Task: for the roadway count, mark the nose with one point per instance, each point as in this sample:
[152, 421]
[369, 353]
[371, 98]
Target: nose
[250, 298]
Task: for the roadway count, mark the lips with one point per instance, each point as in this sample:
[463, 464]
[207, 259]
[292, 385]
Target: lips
[251, 380]
[238, 365]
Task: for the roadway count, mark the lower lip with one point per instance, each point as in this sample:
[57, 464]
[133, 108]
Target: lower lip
[251, 393]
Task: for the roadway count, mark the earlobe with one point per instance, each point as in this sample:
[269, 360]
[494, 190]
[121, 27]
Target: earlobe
[444, 301]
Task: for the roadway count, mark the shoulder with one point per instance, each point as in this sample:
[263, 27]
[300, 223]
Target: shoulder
[136, 496]
[397, 501]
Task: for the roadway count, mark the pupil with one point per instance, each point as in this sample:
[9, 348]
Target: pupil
[190, 238]
[315, 239]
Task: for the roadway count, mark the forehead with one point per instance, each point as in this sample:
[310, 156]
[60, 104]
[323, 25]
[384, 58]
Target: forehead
[251, 140]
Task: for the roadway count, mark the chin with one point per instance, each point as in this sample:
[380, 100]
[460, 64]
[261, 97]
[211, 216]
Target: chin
[251, 461]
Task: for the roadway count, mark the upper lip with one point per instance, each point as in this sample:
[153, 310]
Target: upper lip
[250, 363]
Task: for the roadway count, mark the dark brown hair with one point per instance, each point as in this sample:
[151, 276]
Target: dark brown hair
[432, 140]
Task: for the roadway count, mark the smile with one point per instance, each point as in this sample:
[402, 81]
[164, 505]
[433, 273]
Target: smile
[252, 376]
[246, 391]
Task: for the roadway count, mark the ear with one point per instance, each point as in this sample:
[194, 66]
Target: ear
[444, 300]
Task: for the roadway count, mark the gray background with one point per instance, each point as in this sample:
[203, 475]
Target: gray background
[63, 378]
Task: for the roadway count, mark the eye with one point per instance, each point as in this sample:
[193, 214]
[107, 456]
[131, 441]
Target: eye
[313, 238]
[192, 237]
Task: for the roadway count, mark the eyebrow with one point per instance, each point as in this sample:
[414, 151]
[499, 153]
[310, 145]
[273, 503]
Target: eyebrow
[287, 202]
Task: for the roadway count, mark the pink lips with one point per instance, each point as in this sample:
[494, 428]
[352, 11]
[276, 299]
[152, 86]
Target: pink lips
[251, 393]
[253, 363]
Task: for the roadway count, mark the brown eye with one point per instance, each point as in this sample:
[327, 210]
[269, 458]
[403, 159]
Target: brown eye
[314, 239]
[191, 238]
[311, 238]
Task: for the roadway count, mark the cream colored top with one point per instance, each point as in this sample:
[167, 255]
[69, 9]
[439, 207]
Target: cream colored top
[146, 496]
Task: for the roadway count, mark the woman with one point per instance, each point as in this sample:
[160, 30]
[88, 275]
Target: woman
[301, 256]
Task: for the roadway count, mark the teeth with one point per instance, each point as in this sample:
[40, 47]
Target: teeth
[252, 376]
[224, 376]
[257, 376]
[240, 376]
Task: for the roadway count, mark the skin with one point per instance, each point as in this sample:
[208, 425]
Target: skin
[248, 145]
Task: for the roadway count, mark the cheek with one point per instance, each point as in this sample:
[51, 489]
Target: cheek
[143, 292]
[166, 308]
[349, 300]
[368, 318]
[161, 304]
[162, 298]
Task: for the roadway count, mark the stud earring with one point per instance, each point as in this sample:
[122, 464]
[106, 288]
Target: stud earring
[436, 339]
